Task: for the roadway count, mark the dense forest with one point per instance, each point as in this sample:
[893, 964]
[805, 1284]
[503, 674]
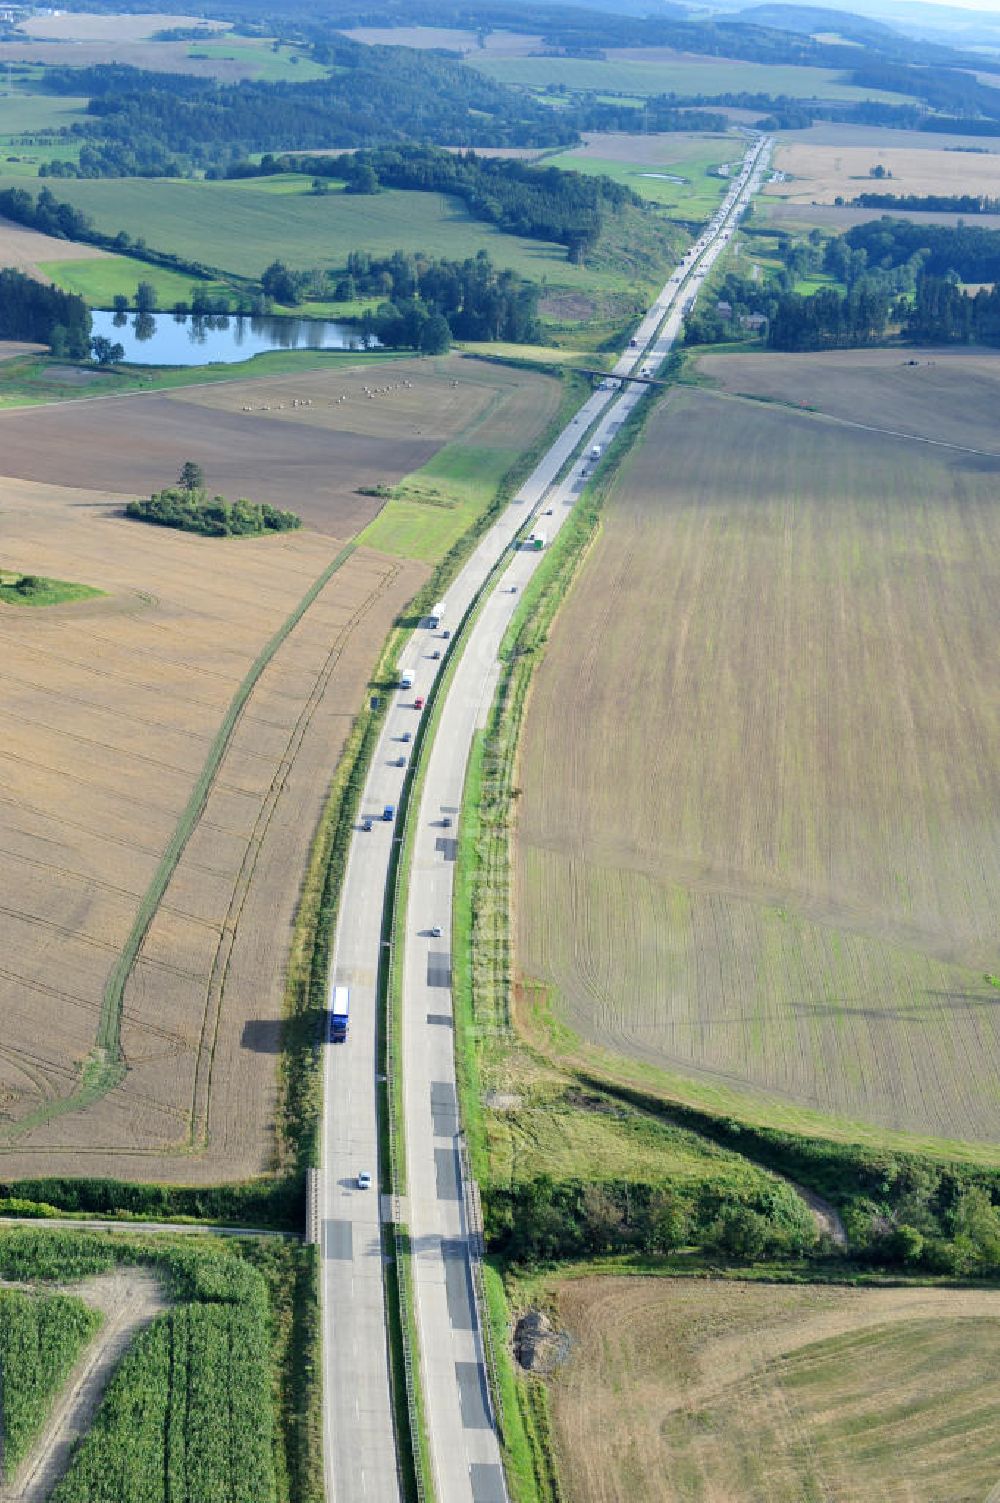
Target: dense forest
[141, 122]
[32, 311]
[428, 301]
[972, 252]
[943, 313]
[568, 208]
[829, 319]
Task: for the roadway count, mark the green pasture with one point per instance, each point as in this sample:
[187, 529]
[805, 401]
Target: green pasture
[240, 227]
[696, 198]
[678, 76]
[286, 65]
[100, 280]
[41, 591]
[434, 506]
[22, 114]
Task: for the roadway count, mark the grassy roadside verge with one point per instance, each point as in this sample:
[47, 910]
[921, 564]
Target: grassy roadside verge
[300, 1108]
[481, 952]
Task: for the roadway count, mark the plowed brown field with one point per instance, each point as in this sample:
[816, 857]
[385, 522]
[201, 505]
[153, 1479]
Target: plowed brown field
[682, 1391]
[111, 707]
[760, 825]
[309, 458]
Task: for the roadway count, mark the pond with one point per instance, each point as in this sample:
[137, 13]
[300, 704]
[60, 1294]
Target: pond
[184, 339]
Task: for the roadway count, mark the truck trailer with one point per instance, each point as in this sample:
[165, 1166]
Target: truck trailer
[436, 616]
[340, 1009]
[596, 451]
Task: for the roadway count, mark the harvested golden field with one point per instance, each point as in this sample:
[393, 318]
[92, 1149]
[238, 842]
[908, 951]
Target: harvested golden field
[681, 1391]
[111, 708]
[67, 26]
[759, 831]
[118, 716]
[822, 173]
[450, 39]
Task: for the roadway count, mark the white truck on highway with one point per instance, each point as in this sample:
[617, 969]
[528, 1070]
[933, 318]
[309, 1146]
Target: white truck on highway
[596, 451]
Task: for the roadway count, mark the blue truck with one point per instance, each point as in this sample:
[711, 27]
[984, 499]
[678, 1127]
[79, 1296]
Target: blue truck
[340, 1010]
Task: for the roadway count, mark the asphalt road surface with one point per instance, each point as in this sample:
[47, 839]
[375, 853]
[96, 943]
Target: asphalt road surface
[359, 1445]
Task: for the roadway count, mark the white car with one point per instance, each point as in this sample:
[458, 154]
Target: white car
[364, 1180]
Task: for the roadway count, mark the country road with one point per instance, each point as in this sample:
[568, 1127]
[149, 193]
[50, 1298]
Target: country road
[359, 1444]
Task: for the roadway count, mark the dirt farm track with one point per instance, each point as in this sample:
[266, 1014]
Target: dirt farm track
[112, 707]
[766, 858]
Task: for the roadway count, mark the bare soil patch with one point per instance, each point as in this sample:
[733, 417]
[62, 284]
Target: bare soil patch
[767, 854]
[159, 57]
[497, 44]
[679, 1390]
[110, 713]
[22, 248]
[10, 349]
[837, 217]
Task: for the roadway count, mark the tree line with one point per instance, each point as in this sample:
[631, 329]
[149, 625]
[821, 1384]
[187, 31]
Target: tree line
[951, 203]
[944, 313]
[970, 251]
[569, 208]
[32, 311]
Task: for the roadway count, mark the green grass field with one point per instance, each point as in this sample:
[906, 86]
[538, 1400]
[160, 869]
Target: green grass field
[42, 591]
[679, 75]
[696, 198]
[99, 281]
[435, 505]
[286, 65]
[240, 227]
[22, 114]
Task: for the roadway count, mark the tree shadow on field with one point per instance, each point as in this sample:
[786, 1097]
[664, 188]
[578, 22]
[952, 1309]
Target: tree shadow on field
[262, 1035]
[922, 1011]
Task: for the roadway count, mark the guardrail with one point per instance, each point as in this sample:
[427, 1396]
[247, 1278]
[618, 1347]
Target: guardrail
[312, 1208]
[477, 1247]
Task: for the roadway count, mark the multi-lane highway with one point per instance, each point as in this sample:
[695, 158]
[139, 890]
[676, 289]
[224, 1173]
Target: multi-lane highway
[358, 1432]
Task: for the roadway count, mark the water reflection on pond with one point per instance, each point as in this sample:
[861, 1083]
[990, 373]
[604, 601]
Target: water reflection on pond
[203, 339]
